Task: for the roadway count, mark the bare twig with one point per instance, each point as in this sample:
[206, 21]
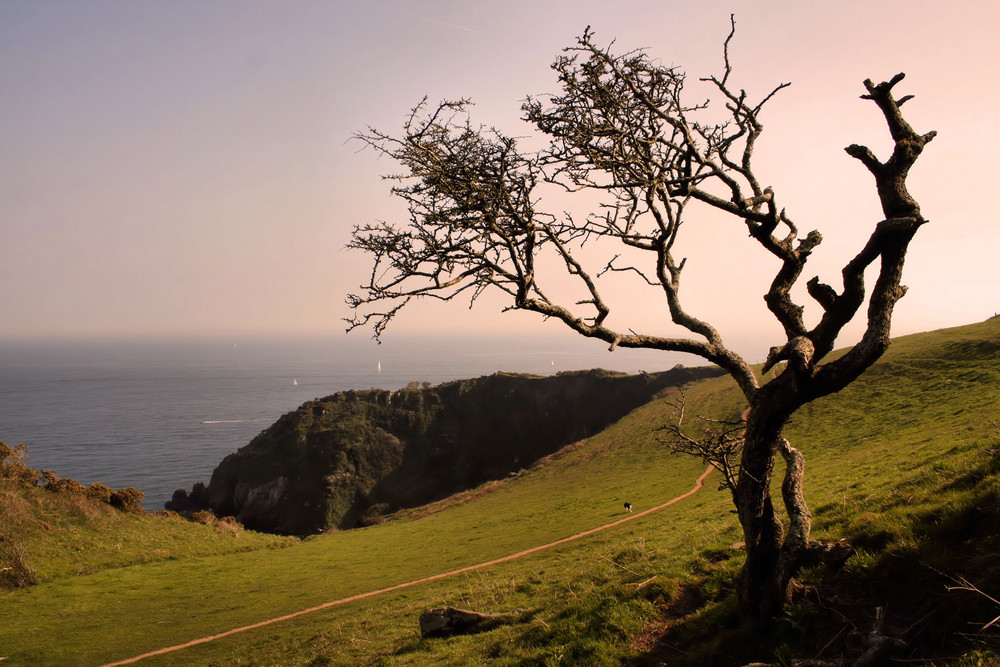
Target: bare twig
[965, 585]
[642, 584]
[619, 565]
[720, 445]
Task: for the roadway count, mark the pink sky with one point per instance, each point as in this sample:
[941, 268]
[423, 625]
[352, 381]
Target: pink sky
[183, 168]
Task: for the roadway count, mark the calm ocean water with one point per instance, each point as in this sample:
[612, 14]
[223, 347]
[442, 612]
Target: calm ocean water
[160, 416]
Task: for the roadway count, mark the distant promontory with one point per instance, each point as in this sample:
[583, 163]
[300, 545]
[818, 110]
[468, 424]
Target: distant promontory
[348, 459]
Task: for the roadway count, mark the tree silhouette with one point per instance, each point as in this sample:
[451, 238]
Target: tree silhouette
[622, 130]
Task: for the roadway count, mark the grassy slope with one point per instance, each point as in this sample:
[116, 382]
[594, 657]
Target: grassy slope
[68, 534]
[880, 476]
[904, 464]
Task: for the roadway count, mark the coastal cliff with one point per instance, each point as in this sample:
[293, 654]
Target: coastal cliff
[347, 459]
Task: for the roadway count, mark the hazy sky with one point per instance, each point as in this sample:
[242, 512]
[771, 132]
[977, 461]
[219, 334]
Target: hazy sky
[183, 167]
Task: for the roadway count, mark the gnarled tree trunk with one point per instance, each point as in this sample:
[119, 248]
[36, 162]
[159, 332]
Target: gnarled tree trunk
[762, 583]
[775, 554]
[620, 128]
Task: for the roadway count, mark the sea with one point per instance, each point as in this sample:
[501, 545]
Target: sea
[159, 415]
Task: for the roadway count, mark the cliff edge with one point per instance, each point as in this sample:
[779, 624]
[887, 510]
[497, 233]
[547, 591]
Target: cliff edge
[347, 459]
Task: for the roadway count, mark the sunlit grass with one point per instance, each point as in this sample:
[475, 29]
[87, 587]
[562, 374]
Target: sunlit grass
[902, 463]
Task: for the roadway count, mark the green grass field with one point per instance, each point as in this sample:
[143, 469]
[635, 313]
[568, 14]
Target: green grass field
[903, 463]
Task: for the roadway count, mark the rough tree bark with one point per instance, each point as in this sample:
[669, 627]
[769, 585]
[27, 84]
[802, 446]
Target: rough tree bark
[621, 128]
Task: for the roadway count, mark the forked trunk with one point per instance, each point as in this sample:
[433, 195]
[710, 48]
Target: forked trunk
[774, 554]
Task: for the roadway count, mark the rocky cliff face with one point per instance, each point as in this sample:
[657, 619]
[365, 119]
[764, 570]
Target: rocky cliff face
[344, 460]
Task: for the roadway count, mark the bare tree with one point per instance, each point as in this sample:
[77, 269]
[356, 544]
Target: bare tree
[720, 443]
[621, 128]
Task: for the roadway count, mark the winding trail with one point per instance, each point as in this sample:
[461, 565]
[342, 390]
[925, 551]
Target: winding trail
[470, 568]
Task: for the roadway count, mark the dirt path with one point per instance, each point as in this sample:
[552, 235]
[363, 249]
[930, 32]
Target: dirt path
[360, 596]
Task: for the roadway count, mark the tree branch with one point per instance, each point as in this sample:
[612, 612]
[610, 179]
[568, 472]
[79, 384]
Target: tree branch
[720, 445]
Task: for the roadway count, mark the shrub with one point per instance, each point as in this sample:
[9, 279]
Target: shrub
[50, 480]
[374, 515]
[12, 464]
[29, 476]
[128, 500]
[229, 524]
[54, 482]
[98, 491]
[15, 570]
[203, 516]
[67, 485]
[9, 459]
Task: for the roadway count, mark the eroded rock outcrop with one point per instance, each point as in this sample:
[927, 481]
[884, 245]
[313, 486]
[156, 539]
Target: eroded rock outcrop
[347, 459]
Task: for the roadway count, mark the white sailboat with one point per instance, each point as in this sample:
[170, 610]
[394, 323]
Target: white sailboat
[380, 367]
[295, 382]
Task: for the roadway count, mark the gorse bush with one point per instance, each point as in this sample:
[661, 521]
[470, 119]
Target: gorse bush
[128, 499]
[203, 516]
[54, 482]
[12, 465]
[100, 492]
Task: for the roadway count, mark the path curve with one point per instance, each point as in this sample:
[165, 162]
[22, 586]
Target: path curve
[470, 568]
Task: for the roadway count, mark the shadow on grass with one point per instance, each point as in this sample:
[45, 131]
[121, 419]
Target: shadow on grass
[938, 581]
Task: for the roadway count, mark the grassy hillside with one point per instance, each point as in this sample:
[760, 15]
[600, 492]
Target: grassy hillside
[63, 530]
[904, 463]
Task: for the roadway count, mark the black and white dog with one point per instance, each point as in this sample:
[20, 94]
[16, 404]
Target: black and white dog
[628, 507]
